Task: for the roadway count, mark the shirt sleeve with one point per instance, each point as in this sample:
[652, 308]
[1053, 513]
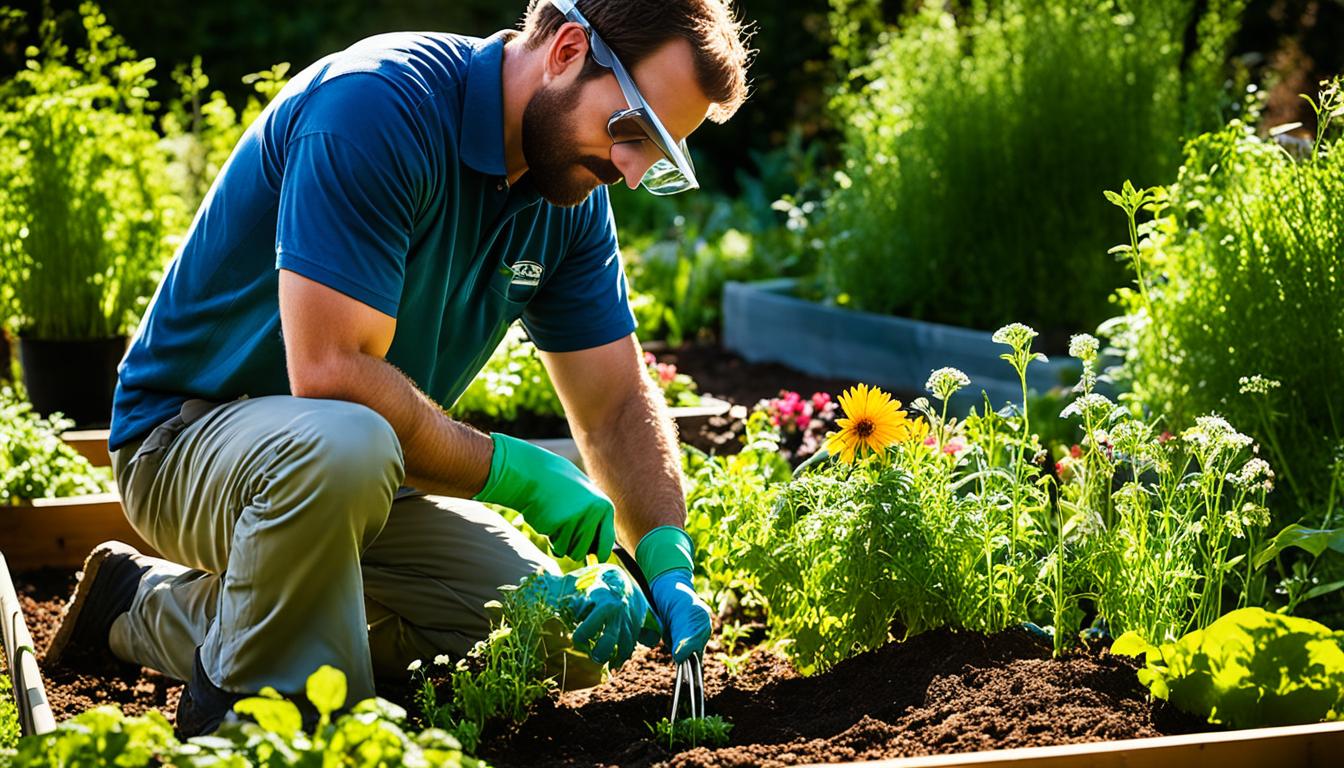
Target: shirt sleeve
[585, 303]
[351, 189]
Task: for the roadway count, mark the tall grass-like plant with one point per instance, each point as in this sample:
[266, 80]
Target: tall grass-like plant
[1239, 301]
[977, 139]
[87, 214]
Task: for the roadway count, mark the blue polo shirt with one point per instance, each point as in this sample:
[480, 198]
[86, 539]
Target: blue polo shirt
[379, 172]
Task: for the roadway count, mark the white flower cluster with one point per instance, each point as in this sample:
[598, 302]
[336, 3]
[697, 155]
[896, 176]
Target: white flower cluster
[1257, 385]
[1094, 407]
[1084, 346]
[1212, 436]
[1255, 474]
[945, 382]
[1015, 335]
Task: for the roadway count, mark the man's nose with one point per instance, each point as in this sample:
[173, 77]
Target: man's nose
[633, 161]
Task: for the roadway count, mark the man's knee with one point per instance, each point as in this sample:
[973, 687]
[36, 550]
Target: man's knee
[346, 455]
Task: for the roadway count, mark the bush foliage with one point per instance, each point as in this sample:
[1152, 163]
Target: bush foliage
[977, 142]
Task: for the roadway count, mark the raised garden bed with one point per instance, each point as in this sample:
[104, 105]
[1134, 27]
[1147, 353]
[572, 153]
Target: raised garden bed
[766, 321]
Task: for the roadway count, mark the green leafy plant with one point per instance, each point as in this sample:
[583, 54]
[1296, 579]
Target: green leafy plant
[503, 676]
[1238, 301]
[1248, 669]
[34, 462]
[514, 381]
[370, 733]
[88, 215]
[958, 524]
[9, 713]
[692, 731]
[976, 138]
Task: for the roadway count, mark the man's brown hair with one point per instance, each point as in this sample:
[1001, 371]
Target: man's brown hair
[634, 29]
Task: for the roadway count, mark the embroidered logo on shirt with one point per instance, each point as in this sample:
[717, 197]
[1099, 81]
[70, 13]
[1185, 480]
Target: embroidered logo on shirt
[526, 273]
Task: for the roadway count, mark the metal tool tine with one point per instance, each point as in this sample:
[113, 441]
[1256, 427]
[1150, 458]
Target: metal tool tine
[699, 668]
[676, 695]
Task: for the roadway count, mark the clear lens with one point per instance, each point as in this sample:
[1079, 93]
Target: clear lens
[664, 178]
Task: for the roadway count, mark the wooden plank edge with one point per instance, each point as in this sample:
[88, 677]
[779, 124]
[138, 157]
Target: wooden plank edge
[35, 716]
[1316, 744]
[91, 444]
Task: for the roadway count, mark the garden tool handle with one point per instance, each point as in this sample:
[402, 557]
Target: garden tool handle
[632, 567]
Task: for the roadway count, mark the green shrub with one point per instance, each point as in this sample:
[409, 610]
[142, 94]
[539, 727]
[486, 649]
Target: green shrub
[977, 143]
[1239, 306]
[34, 462]
[88, 215]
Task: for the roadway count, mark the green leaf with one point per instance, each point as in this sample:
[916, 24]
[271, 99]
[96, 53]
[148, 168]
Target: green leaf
[1130, 644]
[1313, 540]
[275, 715]
[326, 689]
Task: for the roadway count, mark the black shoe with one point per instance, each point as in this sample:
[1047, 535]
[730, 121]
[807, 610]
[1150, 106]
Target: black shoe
[106, 589]
[203, 706]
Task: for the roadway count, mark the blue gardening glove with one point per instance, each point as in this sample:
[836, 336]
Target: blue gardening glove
[553, 496]
[665, 557]
[610, 610]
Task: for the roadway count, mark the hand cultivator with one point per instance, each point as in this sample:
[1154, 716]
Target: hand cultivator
[691, 672]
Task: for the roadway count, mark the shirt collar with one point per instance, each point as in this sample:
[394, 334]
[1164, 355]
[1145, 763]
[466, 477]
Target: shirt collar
[481, 145]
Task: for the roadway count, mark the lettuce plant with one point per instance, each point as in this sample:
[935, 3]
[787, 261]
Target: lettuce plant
[369, 733]
[1250, 668]
[9, 713]
[34, 462]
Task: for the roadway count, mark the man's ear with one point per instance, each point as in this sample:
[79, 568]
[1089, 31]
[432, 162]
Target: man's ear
[566, 51]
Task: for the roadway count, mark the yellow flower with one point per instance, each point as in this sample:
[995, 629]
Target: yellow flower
[872, 423]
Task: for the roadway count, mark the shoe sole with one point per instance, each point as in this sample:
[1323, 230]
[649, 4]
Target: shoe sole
[70, 616]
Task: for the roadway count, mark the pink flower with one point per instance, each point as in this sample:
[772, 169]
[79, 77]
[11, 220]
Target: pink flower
[649, 359]
[666, 373]
[930, 441]
[1076, 451]
[820, 400]
[1165, 437]
[954, 446]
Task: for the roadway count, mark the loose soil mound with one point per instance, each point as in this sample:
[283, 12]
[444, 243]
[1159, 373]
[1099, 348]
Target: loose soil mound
[940, 692]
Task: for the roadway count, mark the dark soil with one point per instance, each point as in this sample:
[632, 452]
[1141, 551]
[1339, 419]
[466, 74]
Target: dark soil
[939, 692]
[89, 679]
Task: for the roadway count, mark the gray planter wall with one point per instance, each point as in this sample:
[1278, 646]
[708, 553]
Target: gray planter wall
[765, 322]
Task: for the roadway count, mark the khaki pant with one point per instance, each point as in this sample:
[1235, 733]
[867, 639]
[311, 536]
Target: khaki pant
[290, 544]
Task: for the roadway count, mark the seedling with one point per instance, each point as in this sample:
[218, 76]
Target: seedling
[693, 731]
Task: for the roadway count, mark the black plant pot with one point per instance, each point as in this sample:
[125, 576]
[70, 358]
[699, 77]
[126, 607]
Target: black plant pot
[76, 378]
[6, 357]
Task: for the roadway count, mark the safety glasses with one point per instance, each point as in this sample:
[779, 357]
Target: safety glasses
[672, 172]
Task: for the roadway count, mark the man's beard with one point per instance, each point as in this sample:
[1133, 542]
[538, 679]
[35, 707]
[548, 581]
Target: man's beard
[556, 169]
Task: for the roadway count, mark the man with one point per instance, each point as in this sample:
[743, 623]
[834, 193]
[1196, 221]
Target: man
[278, 431]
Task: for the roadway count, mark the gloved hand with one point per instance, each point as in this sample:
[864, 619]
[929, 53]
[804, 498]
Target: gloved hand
[553, 496]
[611, 611]
[665, 557]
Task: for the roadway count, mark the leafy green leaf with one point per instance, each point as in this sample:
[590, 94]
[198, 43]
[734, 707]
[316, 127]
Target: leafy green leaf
[275, 715]
[1313, 540]
[326, 689]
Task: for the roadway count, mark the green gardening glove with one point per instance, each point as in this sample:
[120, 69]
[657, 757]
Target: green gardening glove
[610, 611]
[553, 496]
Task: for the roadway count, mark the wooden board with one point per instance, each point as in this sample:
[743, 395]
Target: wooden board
[1307, 746]
[62, 532]
[91, 444]
[30, 694]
